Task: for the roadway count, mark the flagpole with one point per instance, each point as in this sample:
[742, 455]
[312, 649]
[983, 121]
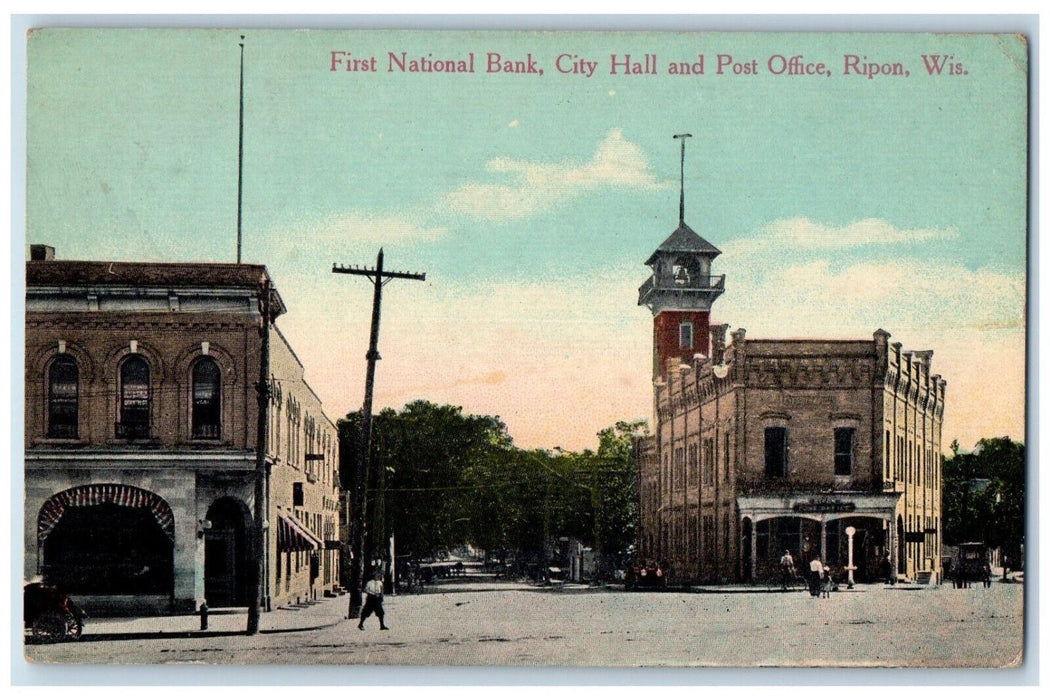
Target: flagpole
[240, 151]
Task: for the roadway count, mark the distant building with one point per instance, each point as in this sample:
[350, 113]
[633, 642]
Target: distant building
[141, 414]
[767, 446]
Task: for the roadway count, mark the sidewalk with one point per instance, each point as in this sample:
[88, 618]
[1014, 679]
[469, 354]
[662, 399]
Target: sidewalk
[224, 622]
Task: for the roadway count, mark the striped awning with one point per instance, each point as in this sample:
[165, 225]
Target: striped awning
[100, 494]
[293, 536]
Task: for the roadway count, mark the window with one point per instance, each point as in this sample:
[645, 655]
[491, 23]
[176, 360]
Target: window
[886, 457]
[685, 335]
[297, 494]
[725, 454]
[776, 452]
[63, 396]
[692, 464]
[707, 460]
[844, 439]
[206, 399]
[134, 398]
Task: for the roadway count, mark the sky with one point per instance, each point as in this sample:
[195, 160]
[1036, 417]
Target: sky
[842, 203]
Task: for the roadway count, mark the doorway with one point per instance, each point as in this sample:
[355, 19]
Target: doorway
[226, 557]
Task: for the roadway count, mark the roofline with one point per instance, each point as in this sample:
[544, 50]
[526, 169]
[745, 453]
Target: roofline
[807, 340]
[57, 264]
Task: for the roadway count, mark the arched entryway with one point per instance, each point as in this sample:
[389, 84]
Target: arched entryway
[775, 536]
[226, 557]
[107, 539]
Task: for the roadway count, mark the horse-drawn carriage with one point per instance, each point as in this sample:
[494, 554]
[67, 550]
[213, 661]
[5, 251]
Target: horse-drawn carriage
[49, 615]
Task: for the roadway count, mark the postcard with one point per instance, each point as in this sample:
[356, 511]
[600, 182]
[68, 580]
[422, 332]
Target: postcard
[521, 348]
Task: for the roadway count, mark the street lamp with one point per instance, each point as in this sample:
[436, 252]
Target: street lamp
[850, 532]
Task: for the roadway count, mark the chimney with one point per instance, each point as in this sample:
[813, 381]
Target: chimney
[38, 251]
[924, 357]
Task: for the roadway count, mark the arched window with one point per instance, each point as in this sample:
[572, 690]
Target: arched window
[206, 400]
[134, 398]
[63, 398]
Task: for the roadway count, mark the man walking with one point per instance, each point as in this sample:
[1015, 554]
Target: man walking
[373, 600]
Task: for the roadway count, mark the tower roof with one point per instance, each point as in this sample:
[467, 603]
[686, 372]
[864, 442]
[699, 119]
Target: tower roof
[684, 240]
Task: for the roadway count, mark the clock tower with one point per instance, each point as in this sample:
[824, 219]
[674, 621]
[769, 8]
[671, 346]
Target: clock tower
[681, 290]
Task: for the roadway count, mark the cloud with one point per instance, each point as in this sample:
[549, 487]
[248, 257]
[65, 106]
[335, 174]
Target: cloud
[537, 187]
[560, 359]
[322, 236]
[804, 233]
[974, 320]
[513, 124]
[815, 297]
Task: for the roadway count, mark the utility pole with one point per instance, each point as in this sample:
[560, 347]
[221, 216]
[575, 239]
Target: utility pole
[378, 276]
[258, 569]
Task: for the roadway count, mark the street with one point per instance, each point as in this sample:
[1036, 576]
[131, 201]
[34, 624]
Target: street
[482, 622]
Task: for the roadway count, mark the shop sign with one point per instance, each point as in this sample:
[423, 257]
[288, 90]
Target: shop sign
[915, 536]
[825, 507]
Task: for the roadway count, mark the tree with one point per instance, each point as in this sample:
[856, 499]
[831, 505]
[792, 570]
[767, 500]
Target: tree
[441, 478]
[421, 459]
[616, 502]
[984, 495]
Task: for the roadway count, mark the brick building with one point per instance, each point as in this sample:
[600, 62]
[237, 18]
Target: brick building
[141, 416]
[767, 446]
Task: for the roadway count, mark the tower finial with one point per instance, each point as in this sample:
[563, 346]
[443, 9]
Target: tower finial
[681, 190]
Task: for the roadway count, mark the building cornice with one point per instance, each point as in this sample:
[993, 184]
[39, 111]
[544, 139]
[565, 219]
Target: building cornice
[51, 458]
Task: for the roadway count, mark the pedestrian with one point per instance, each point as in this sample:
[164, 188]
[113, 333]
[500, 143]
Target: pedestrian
[787, 570]
[827, 584]
[373, 592]
[816, 573]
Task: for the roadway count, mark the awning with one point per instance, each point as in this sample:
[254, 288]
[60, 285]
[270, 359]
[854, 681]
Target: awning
[293, 536]
[102, 494]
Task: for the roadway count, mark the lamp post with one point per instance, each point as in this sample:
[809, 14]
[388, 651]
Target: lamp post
[850, 532]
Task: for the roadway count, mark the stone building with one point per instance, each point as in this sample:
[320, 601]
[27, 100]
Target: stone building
[141, 415]
[767, 446]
